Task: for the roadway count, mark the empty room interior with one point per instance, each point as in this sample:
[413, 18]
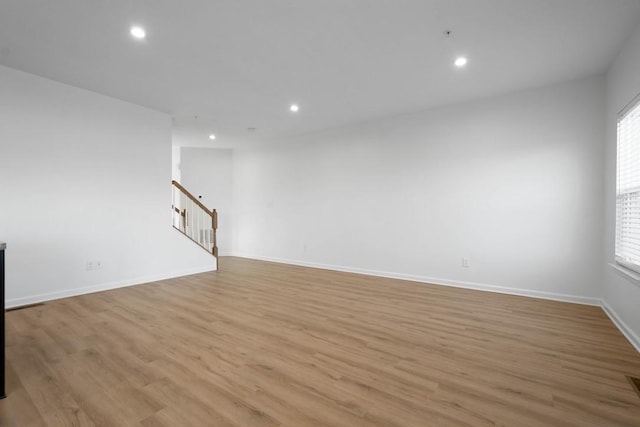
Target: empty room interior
[320, 213]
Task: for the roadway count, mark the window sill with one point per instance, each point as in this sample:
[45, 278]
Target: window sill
[626, 273]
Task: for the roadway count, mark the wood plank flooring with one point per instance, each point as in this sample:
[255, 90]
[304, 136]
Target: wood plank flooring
[264, 344]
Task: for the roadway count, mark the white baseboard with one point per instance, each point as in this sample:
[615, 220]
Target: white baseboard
[35, 299]
[633, 338]
[437, 281]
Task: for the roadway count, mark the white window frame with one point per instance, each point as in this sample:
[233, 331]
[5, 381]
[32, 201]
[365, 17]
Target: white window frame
[627, 238]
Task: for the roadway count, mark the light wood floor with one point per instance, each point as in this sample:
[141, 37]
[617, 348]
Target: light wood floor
[262, 344]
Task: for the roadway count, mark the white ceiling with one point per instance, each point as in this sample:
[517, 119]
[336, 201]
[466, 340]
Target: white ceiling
[239, 63]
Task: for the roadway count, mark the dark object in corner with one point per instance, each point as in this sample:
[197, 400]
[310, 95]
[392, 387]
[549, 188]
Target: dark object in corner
[635, 384]
[2, 391]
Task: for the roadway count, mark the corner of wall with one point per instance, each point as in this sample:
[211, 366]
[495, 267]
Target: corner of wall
[626, 330]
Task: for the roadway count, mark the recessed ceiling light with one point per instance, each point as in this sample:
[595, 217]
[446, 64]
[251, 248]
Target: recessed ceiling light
[138, 32]
[294, 108]
[460, 61]
[212, 137]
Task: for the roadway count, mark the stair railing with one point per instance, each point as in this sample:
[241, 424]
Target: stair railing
[194, 219]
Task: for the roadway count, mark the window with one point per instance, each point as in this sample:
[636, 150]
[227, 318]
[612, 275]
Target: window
[628, 188]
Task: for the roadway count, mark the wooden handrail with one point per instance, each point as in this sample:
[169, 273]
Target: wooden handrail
[198, 232]
[192, 198]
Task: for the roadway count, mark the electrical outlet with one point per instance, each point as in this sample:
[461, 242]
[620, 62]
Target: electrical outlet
[465, 263]
[94, 265]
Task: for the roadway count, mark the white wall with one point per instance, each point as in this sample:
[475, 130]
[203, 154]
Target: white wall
[175, 164]
[621, 293]
[207, 172]
[84, 178]
[514, 183]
